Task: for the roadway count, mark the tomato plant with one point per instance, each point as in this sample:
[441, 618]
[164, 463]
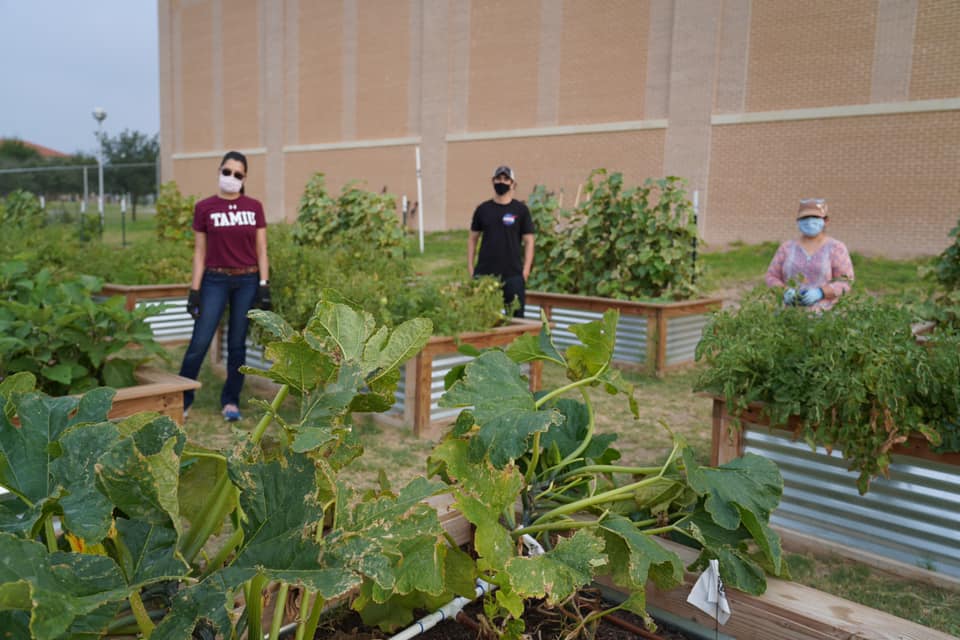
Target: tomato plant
[855, 376]
[174, 218]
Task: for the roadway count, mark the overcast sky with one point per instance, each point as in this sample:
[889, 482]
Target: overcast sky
[61, 58]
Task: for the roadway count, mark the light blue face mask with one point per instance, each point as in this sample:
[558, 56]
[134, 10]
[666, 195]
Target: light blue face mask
[810, 226]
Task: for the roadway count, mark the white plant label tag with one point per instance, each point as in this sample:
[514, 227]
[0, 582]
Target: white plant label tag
[708, 594]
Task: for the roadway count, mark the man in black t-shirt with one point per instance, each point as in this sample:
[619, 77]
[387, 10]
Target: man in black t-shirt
[504, 224]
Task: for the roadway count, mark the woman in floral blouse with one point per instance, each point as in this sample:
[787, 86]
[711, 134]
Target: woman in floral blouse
[819, 266]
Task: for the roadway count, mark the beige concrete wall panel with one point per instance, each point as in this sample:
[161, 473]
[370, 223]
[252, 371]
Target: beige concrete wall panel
[458, 52]
[660, 42]
[889, 180]
[562, 163]
[603, 69]
[383, 69]
[810, 53]
[166, 67]
[893, 52]
[390, 167]
[732, 55]
[503, 64]
[320, 81]
[195, 89]
[240, 74]
[936, 51]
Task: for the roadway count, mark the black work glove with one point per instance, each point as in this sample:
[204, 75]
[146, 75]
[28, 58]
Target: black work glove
[193, 304]
[263, 301]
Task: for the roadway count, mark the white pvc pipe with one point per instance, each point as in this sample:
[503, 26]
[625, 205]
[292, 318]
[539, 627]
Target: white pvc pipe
[419, 200]
[450, 610]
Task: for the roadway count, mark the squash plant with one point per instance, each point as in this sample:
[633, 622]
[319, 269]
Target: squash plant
[524, 464]
[854, 376]
[139, 506]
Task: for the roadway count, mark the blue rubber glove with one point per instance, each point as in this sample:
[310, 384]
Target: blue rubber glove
[810, 296]
[790, 297]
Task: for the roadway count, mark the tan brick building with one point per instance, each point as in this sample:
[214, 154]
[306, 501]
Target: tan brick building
[756, 102]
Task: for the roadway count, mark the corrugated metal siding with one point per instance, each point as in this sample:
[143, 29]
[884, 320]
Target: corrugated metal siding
[913, 517]
[631, 345]
[171, 325]
[683, 336]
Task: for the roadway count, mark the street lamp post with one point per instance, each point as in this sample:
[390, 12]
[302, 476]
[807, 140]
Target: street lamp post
[99, 114]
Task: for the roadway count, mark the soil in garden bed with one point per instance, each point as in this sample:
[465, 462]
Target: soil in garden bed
[542, 623]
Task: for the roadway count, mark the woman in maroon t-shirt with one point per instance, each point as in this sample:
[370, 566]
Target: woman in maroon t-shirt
[230, 267]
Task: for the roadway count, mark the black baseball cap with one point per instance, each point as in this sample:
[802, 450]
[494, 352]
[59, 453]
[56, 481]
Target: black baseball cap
[504, 170]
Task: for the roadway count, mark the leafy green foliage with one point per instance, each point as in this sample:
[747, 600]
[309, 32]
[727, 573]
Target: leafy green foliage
[855, 378]
[21, 209]
[380, 283]
[357, 217]
[946, 269]
[621, 242]
[125, 491]
[174, 218]
[593, 515]
[69, 341]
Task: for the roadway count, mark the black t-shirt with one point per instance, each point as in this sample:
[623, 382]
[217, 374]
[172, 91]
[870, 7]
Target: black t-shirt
[502, 226]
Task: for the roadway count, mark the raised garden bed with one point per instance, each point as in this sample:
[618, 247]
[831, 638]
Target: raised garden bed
[654, 337]
[911, 517]
[421, 385]
[171, 326]
[158, 391]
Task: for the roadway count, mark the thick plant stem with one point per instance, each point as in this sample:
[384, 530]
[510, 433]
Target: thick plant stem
[279, 606]
[261, 427]
[608, 468]
[562, 390]
[50, 534]
[310, 628]
[591, 425]
[232, 543]
[198, 534]
[304, 613]
[140, 613]
[614, 494]
[255, 605]
[566, 525]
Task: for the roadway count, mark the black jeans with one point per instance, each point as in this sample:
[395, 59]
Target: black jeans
[514, 288]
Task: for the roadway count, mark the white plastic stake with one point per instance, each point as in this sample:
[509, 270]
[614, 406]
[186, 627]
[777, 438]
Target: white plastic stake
[419, 200]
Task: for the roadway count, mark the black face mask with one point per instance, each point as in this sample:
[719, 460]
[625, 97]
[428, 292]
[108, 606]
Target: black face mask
[501, 188]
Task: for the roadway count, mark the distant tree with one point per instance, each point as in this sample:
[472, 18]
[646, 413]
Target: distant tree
[14, 154]
[131, 147]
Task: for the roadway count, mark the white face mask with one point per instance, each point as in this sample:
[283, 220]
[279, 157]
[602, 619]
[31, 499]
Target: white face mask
[229, 184]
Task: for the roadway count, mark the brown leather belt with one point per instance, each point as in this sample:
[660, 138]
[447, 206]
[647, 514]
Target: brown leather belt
[234, 271]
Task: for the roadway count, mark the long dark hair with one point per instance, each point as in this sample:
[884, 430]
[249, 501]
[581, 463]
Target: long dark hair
[239, 157]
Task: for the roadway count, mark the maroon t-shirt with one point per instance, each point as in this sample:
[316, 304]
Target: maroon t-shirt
[231, 228]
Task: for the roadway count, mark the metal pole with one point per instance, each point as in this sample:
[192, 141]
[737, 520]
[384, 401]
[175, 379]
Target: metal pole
[100, 173]
[83, 203]
[123, 220]
[696, 224]
[419, 200]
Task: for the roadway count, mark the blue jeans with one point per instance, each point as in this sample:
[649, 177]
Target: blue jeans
[216, 291]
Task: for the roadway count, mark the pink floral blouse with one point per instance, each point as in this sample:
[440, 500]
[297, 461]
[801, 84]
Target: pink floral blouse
[829, 265]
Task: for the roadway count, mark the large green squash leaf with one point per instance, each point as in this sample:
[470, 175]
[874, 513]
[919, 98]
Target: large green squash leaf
[560, 572]
[140, 473]
[598, 338]
[59, 588]
[528, 348]
[87, 512]
[636, 558]
[503, 407]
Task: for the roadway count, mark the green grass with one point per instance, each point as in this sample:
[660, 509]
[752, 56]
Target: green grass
[114, 220]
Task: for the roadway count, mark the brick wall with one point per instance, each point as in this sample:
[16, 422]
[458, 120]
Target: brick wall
[889, 180]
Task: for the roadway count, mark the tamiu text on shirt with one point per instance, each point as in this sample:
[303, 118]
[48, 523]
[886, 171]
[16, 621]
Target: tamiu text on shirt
[233, 218]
